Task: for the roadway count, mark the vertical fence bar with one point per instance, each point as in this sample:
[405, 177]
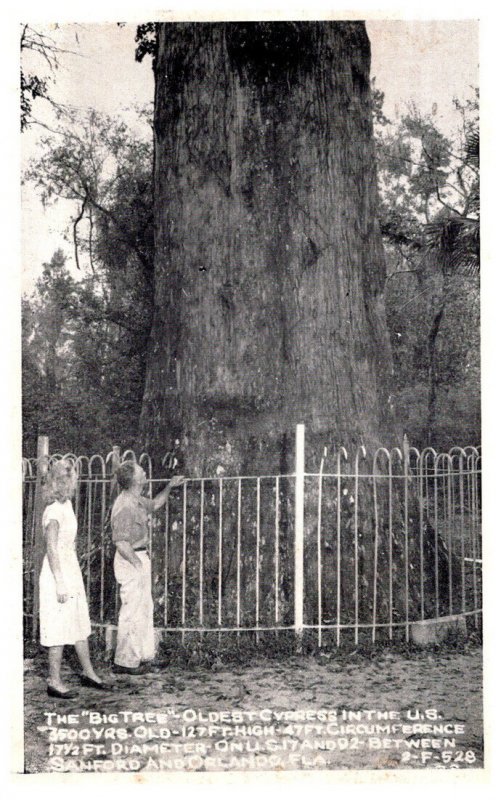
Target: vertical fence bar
[201, 555]
[390, 559]
[421, 533]
[445, 529]
[461, 523]
[319, 549]
[28, 537]
[376, 535]
[79, 481]
[33, 525]
[103, 543]
[356, 565]
[39, 549]
[426, 482]
[166, 562]
[258, 536]
[435, 506]
[469, 509]
[89, 527]
[115, 463]
[479, 509]
[475, 526]
[150, 516]
[472, 531]
[338, 552]
[406, 535]
[430, 478]
[239, 548]
[183, 574]
[452, 518]
[277, 543]
[449, 529]
[299, 535]
[444, 517]
[220, 558]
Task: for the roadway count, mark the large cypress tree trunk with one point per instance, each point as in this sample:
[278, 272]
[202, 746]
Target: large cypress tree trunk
[269, 277]
[269, 263]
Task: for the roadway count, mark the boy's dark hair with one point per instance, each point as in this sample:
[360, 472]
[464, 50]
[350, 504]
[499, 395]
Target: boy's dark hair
[125, 474]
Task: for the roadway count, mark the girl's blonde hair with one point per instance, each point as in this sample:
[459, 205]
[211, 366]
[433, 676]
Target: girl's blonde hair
[59, 469]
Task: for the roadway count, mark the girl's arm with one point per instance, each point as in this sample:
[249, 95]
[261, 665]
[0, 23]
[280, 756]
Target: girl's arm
[52, 534]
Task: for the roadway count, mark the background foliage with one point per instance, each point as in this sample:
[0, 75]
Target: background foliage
[85, 331]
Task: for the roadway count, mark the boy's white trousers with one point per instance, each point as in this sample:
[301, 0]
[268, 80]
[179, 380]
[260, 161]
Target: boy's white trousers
[135, 638]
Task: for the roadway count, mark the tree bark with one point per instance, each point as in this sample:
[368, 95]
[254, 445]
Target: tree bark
[269, 267]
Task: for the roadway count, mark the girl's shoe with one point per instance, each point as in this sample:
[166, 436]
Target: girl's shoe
[69, 695]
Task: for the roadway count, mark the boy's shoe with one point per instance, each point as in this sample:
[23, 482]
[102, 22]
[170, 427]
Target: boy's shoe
[159, 665]
[92, 684]
[142, 669]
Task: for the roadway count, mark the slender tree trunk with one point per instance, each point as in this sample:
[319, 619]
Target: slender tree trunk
[269, 269]
[433, 368]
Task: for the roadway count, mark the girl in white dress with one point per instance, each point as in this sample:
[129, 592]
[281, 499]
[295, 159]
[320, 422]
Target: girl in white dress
[64, 614]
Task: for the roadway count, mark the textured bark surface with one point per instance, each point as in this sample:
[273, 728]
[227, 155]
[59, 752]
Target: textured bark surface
[269, 263]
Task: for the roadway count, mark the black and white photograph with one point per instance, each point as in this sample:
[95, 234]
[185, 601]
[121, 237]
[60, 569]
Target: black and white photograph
[251, 395]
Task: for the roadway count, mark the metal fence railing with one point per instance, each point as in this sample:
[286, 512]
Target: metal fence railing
[365, 545]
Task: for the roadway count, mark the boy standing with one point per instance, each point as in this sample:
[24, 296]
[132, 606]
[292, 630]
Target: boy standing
[129, 525]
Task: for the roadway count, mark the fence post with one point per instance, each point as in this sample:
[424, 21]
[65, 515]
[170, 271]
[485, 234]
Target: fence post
[39, 547]
[115, 462]
[406, 531]
[299, 535]
[110, 631]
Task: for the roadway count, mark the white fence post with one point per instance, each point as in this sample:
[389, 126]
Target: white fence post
[299, 535]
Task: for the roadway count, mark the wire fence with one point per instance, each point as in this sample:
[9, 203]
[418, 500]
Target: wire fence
[364, 547]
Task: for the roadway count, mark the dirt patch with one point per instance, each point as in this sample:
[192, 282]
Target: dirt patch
[321, 693]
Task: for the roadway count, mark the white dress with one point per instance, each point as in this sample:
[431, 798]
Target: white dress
[63, 623]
